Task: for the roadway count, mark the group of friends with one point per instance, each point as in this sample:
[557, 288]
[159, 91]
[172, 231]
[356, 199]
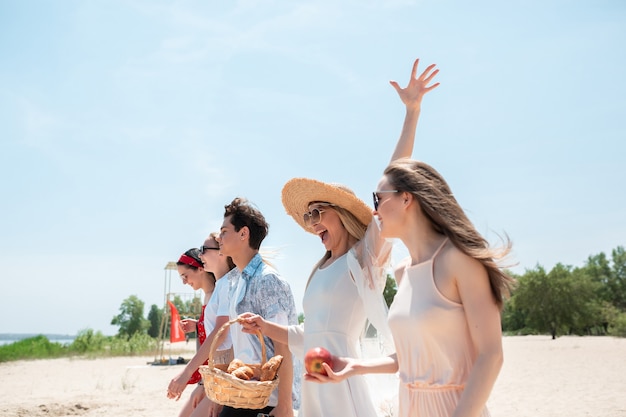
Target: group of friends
[444, 322]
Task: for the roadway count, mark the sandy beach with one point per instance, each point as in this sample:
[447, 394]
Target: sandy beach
[569, 376]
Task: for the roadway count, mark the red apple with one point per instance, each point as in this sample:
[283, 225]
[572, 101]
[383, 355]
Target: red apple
[315, 357]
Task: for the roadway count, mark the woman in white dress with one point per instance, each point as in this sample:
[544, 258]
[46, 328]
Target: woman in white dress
[346, 285]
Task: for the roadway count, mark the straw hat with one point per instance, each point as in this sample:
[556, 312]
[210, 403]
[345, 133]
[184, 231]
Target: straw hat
[299, 192]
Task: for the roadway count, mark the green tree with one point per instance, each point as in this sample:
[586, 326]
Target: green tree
[618, 278]
[618, 327]
[154, 317]
[513, 318]
[587, 314]
[548, 301]
[131, 320]
[610, 275]
[391, 288]
[597, 267]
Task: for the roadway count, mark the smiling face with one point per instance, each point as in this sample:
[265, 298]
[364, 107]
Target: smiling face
[329, 228]
[190, 276]
[210, 255]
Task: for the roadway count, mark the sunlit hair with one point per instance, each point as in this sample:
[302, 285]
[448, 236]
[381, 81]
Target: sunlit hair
[213, 236]
[440, 207]
[195, 254]
[243, 213]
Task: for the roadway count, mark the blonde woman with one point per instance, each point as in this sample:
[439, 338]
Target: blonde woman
[346, 285]
[445, 318]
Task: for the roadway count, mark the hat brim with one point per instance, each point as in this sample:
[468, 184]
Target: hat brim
[298, 193]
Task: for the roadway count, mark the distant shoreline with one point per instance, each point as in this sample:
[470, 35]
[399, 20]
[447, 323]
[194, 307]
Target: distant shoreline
[21, 336]
[9, 338]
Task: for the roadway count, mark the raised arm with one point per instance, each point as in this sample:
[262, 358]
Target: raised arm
[411, 96]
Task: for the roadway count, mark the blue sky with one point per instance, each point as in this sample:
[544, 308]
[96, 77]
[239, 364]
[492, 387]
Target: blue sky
[126, 126]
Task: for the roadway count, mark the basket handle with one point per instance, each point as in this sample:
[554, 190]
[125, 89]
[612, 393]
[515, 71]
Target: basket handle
[222, 330]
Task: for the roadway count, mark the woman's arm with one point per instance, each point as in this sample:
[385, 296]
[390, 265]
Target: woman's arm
[346, 367]
[412, 96]
[483, 320]
[252, 323]
[178, 383]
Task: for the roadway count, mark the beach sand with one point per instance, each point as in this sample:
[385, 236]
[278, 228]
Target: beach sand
[569, 376]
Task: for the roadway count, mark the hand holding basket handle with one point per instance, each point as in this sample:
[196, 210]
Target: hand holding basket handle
[226, 389]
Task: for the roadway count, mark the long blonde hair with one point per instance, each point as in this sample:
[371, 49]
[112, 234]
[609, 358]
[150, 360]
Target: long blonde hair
[447, 217]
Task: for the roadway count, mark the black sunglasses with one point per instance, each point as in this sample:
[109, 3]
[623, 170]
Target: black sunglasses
[206, 248]
[377, 199]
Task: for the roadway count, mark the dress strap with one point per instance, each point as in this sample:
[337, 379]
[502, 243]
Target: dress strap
[440, 247]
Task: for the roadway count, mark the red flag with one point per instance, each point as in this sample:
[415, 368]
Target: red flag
[176, 333]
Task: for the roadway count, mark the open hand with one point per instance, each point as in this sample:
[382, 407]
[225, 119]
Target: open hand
[412, 94]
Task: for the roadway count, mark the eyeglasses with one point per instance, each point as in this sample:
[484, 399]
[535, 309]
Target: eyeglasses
[314, 216]
[206, 248]
[377, 199]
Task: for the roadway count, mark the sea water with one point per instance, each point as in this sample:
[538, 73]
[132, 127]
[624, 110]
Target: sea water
[8, 338]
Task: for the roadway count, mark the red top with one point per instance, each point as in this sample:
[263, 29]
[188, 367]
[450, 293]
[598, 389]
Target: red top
[196, 377]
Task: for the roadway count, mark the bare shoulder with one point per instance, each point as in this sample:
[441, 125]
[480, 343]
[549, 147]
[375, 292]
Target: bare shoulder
[398, 270]
[453, 262]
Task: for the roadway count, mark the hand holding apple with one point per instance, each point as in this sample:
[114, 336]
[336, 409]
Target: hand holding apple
[314, 359]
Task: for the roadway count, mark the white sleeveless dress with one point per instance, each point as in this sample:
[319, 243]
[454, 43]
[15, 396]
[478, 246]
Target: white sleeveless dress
[334, 319]
[338, 301]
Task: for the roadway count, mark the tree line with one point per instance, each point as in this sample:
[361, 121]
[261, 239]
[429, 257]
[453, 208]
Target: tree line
[587, 300]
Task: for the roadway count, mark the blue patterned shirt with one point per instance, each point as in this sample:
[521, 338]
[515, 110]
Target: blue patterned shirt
[259, 289]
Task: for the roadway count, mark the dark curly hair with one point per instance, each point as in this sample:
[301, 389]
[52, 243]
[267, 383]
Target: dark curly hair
[243, 213]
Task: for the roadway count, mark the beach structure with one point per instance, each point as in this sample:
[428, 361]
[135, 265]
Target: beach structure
[171, 316]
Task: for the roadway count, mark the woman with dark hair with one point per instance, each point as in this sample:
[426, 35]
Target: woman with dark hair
[214, 315]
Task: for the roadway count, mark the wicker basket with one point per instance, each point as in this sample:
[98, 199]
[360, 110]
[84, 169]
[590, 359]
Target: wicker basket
[223, 388]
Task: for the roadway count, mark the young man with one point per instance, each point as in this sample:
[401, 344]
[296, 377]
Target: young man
[258, 289]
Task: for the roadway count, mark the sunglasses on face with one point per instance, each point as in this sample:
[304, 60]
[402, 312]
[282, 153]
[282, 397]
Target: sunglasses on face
[314, 216]
[206, 248]
[377, 199]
